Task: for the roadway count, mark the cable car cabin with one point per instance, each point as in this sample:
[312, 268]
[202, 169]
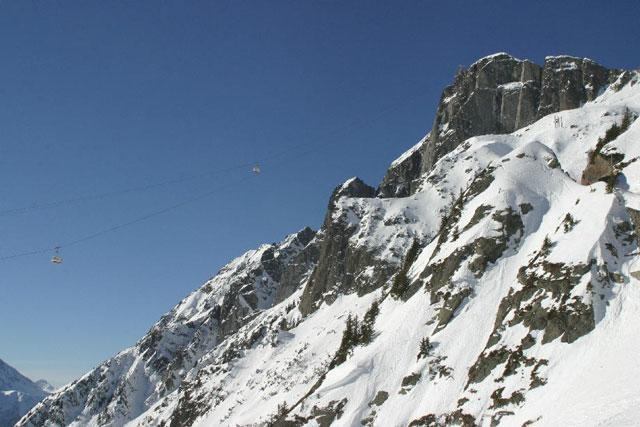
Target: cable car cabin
[56, 259]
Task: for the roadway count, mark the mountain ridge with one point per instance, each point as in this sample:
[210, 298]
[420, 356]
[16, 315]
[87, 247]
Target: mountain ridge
[18, 394]
[470, 326]
[498, 94]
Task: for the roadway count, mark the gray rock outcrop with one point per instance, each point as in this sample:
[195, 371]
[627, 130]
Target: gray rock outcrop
[498, 94]
[338, 262]
[400, 179]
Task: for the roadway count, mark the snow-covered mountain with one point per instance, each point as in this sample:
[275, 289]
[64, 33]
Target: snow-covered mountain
[492, 278]
[45, 386]
[18, 394]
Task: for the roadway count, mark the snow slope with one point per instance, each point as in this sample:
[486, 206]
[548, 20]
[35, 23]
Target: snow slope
[524, 284]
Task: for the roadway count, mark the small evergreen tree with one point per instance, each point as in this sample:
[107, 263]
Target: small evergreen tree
[366, 329]
[372, 313]
[282, 409]
[401, 281]
[627, 119]
[546, 247]
[281, 412]
[400, 284]
[612, 133]
[349, 337]
[355, 333]
[425, 347]
[366, 333]
[350, 331]
[569, 222]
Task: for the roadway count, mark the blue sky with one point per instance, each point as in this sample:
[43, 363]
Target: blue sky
[98, 97]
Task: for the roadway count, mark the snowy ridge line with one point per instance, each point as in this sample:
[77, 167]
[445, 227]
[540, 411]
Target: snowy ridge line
[494, 56]
[508, 280]
[409, 152]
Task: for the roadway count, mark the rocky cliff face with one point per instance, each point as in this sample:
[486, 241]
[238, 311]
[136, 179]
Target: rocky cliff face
[482, 297]
[339, 263]
[498, 94]
[401, 177]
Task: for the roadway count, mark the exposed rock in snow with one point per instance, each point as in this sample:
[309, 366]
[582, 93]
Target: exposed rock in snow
[499, 94]
[402, 177]
[408, 153]
[518, 303]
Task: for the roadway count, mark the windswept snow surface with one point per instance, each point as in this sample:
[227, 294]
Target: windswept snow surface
[523, 286]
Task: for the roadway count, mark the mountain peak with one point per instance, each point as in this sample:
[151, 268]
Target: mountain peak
[45, 386]
[493, 57]
[18, 394]
[11, 379]
[482, 296]
[497, 94]
[355, 187]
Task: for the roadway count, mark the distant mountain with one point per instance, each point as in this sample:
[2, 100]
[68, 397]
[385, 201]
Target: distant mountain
[18, 394]
[493, 278]
[45, 386]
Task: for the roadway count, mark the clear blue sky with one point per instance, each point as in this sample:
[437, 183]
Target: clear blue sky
[103, 96]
